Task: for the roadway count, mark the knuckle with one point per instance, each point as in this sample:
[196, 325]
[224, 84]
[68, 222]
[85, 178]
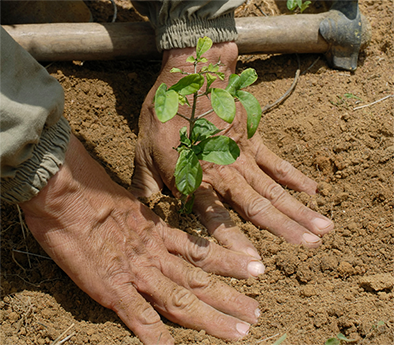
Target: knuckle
[140, 309]
[274, 193]
[215, 214]
[257, 206]
[283, 170]
[199, 250]
[147, 315]
[182, 299]
[197, 278]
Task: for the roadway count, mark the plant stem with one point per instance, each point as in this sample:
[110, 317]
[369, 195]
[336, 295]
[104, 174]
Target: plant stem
[192, 120]
[205, 114]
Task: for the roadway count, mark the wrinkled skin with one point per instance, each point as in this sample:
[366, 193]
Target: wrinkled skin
[124, 256]
[251, 185]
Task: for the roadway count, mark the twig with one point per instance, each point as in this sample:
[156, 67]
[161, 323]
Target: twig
[368, 105]
[66, 338]
[287, 93]
[262, 12]
[56, 341]
[272, 336]
[115, 11]
[23, 227]
[312, 64]
[38, 255]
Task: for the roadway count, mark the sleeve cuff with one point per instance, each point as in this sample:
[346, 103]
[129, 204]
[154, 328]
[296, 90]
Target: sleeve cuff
[33, 175]
[185, 32]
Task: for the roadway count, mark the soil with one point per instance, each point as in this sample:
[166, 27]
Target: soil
[345, 286]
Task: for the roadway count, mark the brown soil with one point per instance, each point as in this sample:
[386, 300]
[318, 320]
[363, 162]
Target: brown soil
[311, 295]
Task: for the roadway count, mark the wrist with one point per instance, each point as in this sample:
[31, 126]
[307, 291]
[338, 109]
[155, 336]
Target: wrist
[226, 52]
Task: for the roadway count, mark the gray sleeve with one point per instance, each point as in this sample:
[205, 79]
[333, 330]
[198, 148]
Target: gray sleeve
[34, 134]
[179, 23]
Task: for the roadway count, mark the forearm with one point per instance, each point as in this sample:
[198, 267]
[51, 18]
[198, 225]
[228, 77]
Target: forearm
[34, 133]
[179, 24]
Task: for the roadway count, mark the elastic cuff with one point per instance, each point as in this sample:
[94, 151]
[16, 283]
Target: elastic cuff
[183, 33]
[33, 175]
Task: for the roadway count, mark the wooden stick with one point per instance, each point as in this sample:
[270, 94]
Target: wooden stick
[94, 41]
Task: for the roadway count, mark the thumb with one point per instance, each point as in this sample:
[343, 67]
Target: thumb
[146, 179]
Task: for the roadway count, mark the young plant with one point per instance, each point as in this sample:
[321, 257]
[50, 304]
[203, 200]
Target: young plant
[293, 4]
[339, 340]
[199, 141]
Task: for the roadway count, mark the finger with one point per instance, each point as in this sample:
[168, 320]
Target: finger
[209, 256]
[282, 171]
[284, 202]
[252, 206]
[218, 222]
[140, 317]
[146, 180]
[181, 306]
[213, 292]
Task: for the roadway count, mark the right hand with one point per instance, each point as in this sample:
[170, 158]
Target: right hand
[127, 259]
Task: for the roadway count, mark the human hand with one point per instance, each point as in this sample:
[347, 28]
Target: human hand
[251, 185]
[127, 259]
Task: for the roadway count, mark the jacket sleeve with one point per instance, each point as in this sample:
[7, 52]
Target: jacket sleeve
[179, 23]
[34, 134]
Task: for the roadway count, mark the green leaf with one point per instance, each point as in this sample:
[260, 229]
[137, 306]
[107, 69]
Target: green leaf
[281, 339]
[223, 104]
[221, 75]
[166, 103]
[191, 59]
[184, 139]
[188, 172]
[342, 337]
[234, 83]
[210, 79]
[203, 45]
[248, 77]
[203, 129]
[220, 150]
[213, 68]
[183, 100]
[188, 85]
[332, 341]
[203, 60]
[304, 6]
[175, 70]
[291, 4]
[253, 110]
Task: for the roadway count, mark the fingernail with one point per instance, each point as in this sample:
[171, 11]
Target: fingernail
[253, 252]
[242, 328]
[321, 223]
[257, 312]
[310, 238]
[256, 268]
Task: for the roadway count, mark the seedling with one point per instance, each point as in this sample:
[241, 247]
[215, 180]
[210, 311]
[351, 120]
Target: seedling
[200, 141]
[281, 339]
[293, 4]
[339, 340]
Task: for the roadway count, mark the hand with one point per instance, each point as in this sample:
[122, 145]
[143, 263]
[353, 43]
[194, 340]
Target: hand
[124, 256]
[251, 185]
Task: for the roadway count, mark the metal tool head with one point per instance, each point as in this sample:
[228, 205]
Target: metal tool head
[342, 29]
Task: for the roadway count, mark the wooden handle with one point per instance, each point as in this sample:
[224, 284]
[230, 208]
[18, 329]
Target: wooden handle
[94, 41]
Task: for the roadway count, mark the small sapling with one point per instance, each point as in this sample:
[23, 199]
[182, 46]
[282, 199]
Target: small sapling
[293, 4]
[200, 140]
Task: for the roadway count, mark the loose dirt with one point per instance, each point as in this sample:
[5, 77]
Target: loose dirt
[310, 295]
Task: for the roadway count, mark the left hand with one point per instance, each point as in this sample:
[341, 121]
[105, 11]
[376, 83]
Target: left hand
[251, 185]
